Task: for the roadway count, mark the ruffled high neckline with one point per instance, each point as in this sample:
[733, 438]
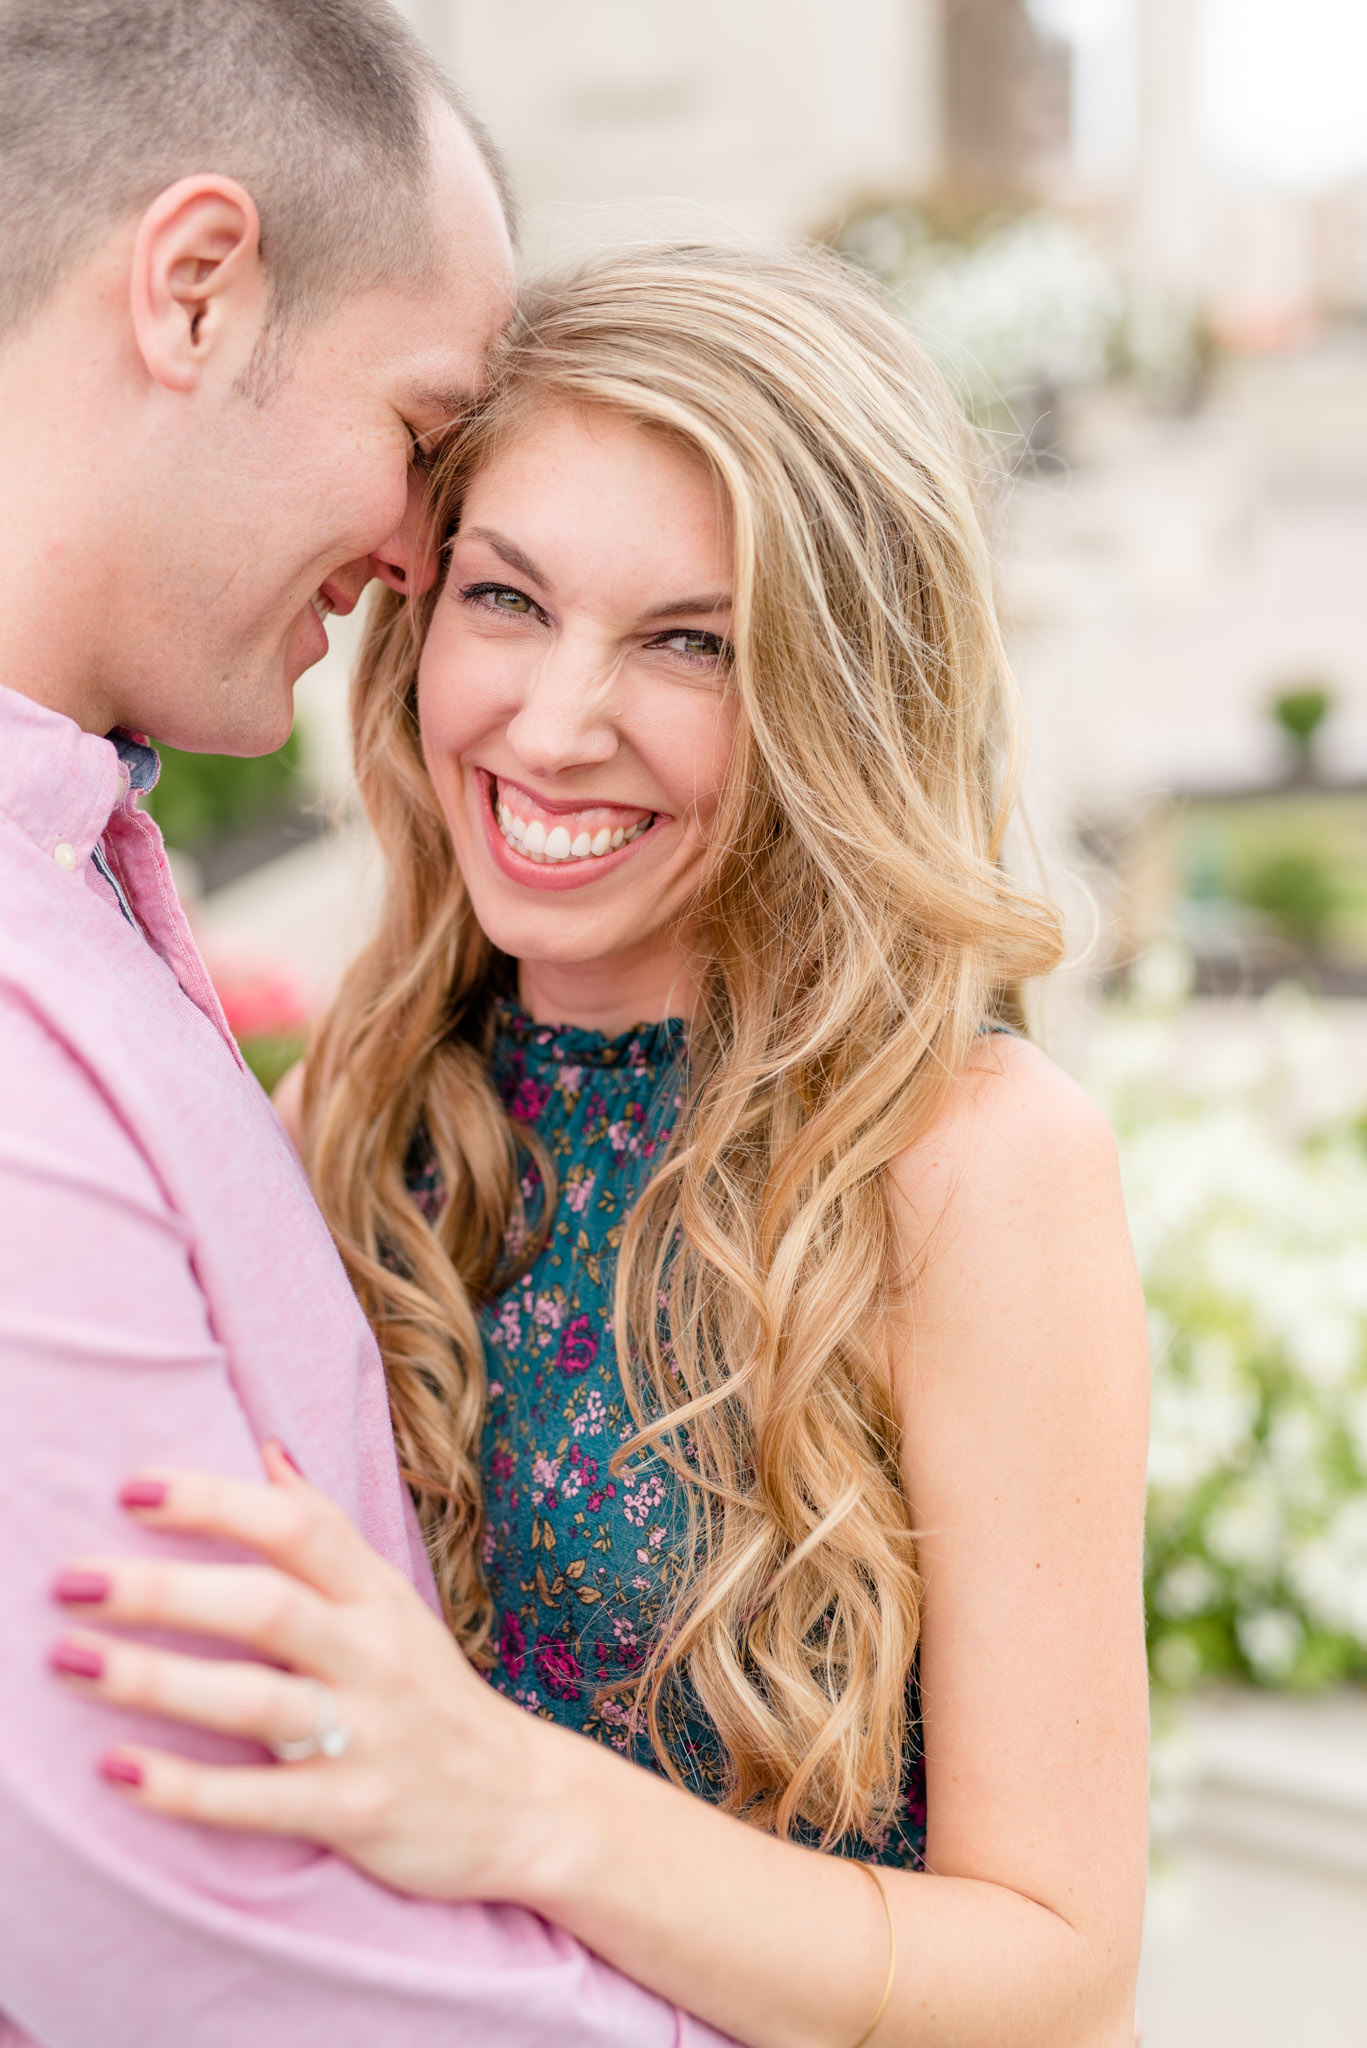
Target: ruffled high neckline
[649, 1045]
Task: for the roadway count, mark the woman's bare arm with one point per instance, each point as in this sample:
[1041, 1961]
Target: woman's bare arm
[1021, 1378]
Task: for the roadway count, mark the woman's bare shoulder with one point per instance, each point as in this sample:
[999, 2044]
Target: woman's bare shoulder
[1016, 1134]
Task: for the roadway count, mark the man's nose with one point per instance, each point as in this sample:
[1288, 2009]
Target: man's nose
[408, 561]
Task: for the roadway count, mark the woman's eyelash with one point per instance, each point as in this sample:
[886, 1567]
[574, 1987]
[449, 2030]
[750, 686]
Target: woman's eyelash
[473, 592]
[717, 653]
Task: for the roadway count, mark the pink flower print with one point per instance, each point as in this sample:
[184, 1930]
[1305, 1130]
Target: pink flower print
[509, 1327]
[529, 1099]
[512, 1646]
[657, 1537]
[557, 1667]
[590, 1420]
[547, 1313]
[569, 1080]
[643, 1557]
[578, 1347]
[577, 1194]
[594, 1502]
[503, 1464]
[629, 1651]
[649, 1495]
[545, 1472]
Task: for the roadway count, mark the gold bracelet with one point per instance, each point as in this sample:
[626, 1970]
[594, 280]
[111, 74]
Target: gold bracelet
[881, 1889]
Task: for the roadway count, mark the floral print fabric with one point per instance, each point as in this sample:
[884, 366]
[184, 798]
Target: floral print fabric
[582, 1562]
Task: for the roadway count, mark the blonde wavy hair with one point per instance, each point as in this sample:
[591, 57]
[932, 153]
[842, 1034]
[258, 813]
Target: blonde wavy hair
[855, 928]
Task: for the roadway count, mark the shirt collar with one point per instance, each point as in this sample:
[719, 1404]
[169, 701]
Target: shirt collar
[57, 783]
[141, 761]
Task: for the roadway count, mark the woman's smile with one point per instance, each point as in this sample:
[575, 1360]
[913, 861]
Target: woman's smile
[545, 844]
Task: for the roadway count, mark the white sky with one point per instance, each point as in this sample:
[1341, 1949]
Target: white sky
[1282, 84]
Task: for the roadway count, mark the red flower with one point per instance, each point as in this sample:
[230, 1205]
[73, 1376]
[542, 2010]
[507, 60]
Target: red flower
[262, 1005]
[512, 1646]
[558, 1668]
[529, 1099]
[578, 1346]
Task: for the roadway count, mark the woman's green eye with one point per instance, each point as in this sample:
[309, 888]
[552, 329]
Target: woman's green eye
[697, 646]
[499, 598]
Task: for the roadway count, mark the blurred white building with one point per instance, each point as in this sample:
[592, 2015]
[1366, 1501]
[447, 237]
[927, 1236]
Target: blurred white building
[727, 117]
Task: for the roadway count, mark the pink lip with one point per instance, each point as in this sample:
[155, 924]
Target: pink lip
[546, 875]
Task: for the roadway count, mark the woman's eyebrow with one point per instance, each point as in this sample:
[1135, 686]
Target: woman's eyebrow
[507, 551]
[689, 606]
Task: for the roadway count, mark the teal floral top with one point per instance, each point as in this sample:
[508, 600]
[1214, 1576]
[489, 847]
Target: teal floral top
[581, 1562]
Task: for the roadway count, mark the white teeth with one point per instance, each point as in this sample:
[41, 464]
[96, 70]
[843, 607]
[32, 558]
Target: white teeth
[322, 605]
[535, 842]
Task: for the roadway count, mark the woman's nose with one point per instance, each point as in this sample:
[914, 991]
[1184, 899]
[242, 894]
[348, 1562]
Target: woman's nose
[567, 715]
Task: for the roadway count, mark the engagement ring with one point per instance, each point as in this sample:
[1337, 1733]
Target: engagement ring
[327, 1737]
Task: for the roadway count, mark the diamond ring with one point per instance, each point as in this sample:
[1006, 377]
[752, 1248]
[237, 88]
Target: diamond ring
[327, 1737]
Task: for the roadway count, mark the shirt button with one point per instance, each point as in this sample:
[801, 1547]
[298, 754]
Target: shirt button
[64, 853]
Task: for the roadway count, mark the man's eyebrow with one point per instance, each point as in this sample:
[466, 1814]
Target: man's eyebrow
[447, 406]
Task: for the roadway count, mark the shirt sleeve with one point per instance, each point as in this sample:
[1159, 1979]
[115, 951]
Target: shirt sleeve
[116, 1926]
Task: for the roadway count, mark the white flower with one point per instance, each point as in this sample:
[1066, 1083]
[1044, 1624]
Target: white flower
[1329, 1571]
[1246, 1530]
[1190, 1587]
[1271, 1641]
[1246, 1176]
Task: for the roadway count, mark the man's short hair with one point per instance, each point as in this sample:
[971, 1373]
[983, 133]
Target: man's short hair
[321, 108]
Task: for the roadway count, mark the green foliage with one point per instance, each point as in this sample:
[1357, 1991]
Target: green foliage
[1301, 710]
[270, 1055]
[203, 798]
[1297, 888]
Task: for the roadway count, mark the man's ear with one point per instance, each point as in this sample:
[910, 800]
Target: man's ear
[197, 275]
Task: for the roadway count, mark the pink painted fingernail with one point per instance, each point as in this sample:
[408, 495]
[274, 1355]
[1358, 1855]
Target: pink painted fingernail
[288, 1455]
[77, 1661]
[121, 1770]
[143, 1493]
[81, 1589]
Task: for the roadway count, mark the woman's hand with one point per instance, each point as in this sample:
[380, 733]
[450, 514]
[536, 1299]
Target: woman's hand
[438, 1789]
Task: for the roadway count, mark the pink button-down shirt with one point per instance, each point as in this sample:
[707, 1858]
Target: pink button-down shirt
[168, 1293]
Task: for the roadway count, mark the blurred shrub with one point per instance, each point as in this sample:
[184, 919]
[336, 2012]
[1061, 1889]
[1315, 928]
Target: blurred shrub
[1006, 304]
[202, 798]
[1298, 890]
[1301, 710]
[1246, 1178]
